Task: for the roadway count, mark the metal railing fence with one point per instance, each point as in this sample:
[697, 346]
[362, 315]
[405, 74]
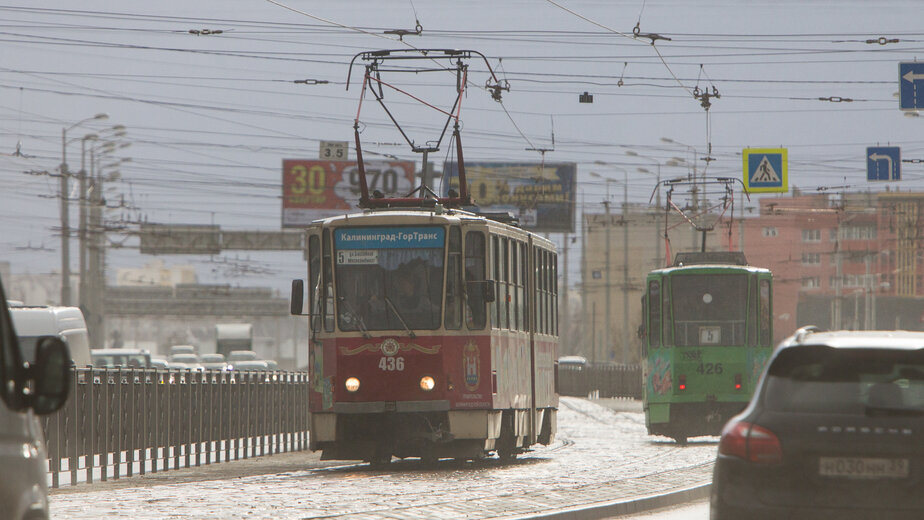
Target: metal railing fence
[118, 422]
[600, 380]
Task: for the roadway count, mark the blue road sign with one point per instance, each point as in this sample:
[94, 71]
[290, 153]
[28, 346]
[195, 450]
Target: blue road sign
[911, 85]
[883, 163]
[765, 170]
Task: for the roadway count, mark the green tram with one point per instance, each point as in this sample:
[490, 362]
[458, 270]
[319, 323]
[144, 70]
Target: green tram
[707, 333]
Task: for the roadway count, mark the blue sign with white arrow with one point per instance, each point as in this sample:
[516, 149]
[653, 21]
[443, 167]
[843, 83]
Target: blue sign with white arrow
[911, 85]
[883, 163]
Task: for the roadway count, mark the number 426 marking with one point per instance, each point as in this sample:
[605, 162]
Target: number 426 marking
[709, 368]
[391, 364]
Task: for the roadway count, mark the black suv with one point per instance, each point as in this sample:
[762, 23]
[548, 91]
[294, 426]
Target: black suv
[835, 429]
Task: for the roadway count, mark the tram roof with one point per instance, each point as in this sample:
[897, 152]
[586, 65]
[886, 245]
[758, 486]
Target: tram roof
[711, 267]
[435, 215]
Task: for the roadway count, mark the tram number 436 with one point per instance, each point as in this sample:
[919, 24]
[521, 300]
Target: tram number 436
[709, 368]
[391, 364]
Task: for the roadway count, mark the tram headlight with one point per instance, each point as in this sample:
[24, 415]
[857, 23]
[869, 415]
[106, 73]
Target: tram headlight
[351, 384]
[427, 383]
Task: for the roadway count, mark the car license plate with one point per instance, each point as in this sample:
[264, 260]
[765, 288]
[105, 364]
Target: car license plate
[863, 467]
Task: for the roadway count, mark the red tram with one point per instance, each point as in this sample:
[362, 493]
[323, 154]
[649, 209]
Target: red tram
[434, 335]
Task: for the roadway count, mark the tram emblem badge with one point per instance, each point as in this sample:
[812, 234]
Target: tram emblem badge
[471, 364]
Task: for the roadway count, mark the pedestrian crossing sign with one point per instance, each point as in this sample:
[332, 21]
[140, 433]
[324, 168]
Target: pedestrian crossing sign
[765, 170]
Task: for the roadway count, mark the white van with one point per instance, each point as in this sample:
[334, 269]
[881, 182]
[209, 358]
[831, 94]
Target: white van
[67, 323]
[27, 390]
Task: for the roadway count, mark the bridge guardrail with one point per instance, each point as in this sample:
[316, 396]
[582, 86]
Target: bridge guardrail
[118, 422]
[600, 380]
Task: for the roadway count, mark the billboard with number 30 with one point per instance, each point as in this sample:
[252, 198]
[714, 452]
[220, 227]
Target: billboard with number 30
[314, 189]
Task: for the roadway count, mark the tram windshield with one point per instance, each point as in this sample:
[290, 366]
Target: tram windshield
[389, 278]
[709, 309]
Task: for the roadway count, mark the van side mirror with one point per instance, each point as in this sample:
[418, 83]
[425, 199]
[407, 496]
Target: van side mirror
[50, 375]
[297, 298]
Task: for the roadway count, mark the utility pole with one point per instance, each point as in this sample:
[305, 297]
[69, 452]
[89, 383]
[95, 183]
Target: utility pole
[564, 308]
[65, 226]
[82, 224]
[584, 281]
[625, 269]
[65, 213]
[608, 286]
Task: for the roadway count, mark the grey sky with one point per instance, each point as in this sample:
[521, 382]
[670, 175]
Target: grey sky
[210, 118]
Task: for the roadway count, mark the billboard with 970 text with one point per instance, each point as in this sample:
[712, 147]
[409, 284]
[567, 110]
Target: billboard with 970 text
[314, 189]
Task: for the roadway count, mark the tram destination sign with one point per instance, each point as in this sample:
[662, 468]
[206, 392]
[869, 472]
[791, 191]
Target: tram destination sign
[540, 195]
[316, 189]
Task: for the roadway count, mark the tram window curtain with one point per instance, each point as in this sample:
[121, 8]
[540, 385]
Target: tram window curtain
[454, 281]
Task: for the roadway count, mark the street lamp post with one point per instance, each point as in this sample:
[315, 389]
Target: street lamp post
[65, 213]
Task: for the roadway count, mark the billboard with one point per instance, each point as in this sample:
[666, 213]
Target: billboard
[540, 195]
[315, 189]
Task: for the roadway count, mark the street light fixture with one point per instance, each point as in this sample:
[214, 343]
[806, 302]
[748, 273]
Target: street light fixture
[65, 213]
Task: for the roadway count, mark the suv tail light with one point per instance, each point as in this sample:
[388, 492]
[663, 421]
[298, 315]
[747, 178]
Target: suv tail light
[737, 381]
[682, 382]
[750, 442]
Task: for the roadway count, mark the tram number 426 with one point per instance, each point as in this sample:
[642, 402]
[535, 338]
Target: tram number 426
[391, 364]
[709, 368]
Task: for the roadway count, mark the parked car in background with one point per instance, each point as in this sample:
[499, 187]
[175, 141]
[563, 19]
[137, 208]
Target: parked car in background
[251, 364]
[835, 429]
[121, 357]
[183, 361]
[25, 394]
[578, 362]
[182, 349]
[241, 355]
[213, 361]
[159, 363]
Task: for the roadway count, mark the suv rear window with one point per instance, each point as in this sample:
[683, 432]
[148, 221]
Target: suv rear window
[846, 381]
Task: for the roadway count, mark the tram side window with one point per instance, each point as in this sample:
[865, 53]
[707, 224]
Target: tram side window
[667, 333]
[505, 276]
[515, 285]
[314, 274]
[454, 280]
[327, 284]
[752, 313]
[654, 313]
[524, 278]
[498, 304]
[554, 282]
[474, 280]
[540, 307]
[765, 314]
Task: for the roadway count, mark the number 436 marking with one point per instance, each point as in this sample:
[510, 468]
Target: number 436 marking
[391, 364]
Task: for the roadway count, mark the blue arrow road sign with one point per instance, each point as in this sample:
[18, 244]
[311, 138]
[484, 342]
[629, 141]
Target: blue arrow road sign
[911, 85]
[883, 163]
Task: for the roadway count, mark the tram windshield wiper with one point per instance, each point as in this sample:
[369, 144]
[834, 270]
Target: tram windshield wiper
[352, 314]
[400, 318]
